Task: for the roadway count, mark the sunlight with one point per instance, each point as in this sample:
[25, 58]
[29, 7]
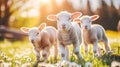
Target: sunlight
[33, 13]
[45, 1]
[30, 9]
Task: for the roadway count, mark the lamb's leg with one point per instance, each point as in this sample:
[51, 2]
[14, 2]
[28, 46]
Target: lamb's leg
[95, 48]
[99, 50]
[55, 52]
[107, 47]
[37, 58]
[86, 48]
[63, 52]
[46, 53]
[67, 49]
[37, 55]
[76, 50]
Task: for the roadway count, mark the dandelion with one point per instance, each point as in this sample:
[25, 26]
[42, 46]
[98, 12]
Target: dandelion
[9, 59]
[12, 51]
[64, 63]
[73, 64]
[26, 65]
[2, 54]
[26, 57]
[18, 55]
[4, 64]
[46, 65]
[5, 57]
[29, 59]
[17, 63]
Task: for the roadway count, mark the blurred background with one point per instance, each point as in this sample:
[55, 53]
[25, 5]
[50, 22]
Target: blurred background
[30, 13]
[15, 47]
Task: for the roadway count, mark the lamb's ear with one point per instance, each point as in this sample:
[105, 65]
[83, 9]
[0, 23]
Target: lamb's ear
[24, 29]
[94, 17]
[76, 14]
[52, 17]
[42, 26]
[76, 20]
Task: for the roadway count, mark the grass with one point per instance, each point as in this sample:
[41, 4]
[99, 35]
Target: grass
[20, 52]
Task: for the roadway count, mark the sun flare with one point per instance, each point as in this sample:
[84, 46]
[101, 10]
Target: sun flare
[45, 1]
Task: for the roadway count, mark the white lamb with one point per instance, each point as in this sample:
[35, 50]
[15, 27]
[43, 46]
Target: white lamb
[92, 34]
[42, 38]
[68, 32]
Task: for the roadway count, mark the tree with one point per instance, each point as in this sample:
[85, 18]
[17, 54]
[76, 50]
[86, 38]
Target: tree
[7, 8]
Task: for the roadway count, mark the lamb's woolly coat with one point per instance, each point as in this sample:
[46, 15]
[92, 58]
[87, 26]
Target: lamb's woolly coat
[68, 32]
[92, 34]
[43, 38]
[48, 38]
[71, 36]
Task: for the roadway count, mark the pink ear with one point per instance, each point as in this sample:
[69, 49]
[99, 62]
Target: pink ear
[24, 29]
[94, 17]
[76, 20]
[52, 17]
[76, 14]
[42, 26]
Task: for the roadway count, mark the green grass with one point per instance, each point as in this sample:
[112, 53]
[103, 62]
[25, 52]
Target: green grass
[22, 52]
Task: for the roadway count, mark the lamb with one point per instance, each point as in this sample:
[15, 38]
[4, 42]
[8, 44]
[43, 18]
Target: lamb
[92, 34]
[68, 33]
[42, 38]
[118, 26]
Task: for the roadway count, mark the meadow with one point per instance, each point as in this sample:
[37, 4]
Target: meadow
[19, 53]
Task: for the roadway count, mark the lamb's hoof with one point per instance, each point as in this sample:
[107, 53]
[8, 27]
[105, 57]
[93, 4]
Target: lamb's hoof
[43, 60]
[96, 55]
[82, 62]
[88, 64]
[109, 52]
[55, 60]
[64, 63]
[80, 58]
[36, 63]
[99, 57]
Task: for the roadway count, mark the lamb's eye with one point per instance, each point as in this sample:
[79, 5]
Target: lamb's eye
[57, 18]
[69, 18]
[81, 21]
[90, 21]
[37, 34]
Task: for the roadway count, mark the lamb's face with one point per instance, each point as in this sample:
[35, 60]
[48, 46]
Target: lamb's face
[64, 21]
[34, 35]
[85, 22]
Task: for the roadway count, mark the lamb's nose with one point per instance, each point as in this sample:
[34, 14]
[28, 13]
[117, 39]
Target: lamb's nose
[86, 27]
[63, 25]
[32, 41]
[44, 55]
